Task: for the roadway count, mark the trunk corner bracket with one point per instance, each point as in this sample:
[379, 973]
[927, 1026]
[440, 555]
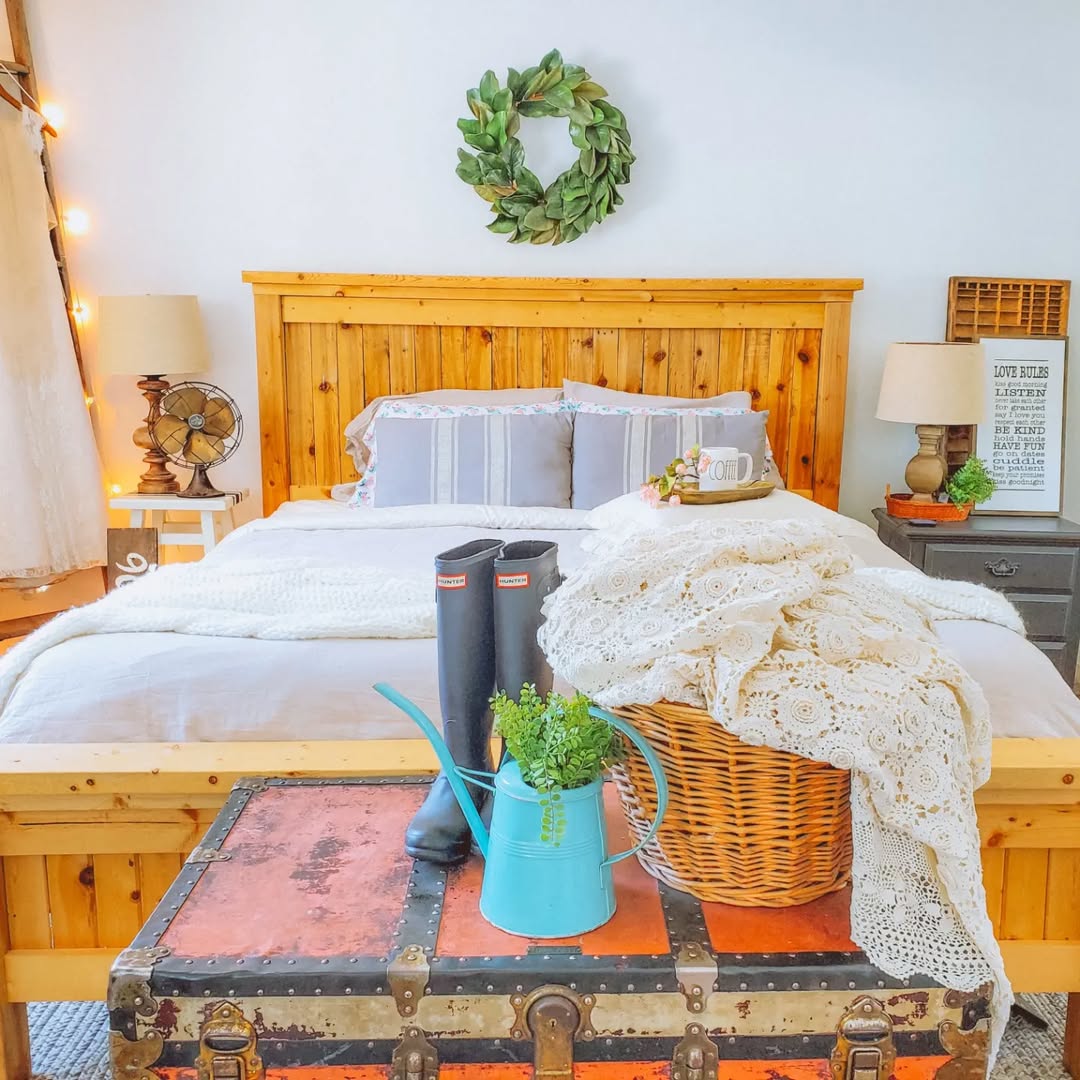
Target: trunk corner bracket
[408, 975]
[968, 1049]
[697, 972]
[974, 1004]
[129, 981]
[131, 1058]
[203, 854]
[252, 784]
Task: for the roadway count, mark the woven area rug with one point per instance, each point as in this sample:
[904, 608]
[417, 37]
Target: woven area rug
[69, 1041]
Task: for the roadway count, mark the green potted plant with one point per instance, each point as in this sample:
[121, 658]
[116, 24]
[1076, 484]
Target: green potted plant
[969, 485]
[558, 746]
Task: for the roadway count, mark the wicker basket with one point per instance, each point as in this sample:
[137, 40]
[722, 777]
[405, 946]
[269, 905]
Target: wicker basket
[745, 825]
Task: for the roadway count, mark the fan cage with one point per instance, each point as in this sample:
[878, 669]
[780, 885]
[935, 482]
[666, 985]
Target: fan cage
[231, 441]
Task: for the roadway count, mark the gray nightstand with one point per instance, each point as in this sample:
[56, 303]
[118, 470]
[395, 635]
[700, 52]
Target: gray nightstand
[1034, 561]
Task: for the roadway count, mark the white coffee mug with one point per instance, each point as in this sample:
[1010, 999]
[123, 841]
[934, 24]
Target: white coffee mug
[722, 471]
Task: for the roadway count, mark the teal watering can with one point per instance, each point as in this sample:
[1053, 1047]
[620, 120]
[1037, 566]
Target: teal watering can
[532, 887]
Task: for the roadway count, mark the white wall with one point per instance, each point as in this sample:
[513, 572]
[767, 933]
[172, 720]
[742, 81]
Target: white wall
[899, 142]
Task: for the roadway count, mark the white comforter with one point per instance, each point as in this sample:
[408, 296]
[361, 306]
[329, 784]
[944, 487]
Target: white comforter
[170, 687]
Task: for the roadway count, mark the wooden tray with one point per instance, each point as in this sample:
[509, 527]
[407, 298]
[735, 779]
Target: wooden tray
[901, 506]
[757, 490]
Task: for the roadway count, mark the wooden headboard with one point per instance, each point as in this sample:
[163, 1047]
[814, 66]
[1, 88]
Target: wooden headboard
[328, 343]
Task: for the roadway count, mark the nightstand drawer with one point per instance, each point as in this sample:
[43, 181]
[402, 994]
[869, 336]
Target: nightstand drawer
[1003, 566]
[1044, 616]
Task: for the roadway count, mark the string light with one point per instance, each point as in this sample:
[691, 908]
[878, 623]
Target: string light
[89, 400]
[116, 489]
[80, 313]
[76, 221]
[41, 588]
[53, 113]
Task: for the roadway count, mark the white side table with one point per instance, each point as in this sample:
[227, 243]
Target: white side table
[150, 511]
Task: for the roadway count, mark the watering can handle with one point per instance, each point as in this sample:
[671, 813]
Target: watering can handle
[450, 770]
[658, 775]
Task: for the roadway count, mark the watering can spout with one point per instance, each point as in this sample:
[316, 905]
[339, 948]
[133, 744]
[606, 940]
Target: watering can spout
[446, 760]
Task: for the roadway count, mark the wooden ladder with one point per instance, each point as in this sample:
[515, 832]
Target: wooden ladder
[22, 67]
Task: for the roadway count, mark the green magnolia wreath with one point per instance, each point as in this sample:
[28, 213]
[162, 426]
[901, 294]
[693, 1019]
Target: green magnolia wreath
[581, 196]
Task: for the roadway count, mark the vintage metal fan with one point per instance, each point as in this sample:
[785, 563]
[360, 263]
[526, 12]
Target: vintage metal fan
[198, 426]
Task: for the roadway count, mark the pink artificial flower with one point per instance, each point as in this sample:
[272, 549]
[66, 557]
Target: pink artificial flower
[705, 461]
[650, 495]
[680, 469]
[674, 500]
[688, 455]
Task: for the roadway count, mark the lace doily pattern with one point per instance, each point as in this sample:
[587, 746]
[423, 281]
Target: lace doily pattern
[769, 627]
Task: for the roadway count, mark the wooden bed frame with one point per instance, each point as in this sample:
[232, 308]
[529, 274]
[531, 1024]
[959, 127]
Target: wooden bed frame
[91, 835]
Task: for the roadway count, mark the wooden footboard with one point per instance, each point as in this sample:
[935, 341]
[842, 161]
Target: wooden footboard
[91, 836]
[1029, 821]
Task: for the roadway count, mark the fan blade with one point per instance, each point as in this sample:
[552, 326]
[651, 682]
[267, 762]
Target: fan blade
[184, 401]
[220, 418]
[170, 432]
[203, 449]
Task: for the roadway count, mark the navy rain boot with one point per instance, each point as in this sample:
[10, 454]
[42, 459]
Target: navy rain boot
[466, 641]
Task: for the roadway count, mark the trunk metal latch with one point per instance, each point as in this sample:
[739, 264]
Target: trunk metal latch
[414, 1058]
[228, 1047]
[554, 1016]
[696, 1056]
[864, 1043]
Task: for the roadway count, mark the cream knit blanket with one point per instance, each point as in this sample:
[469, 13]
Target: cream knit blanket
[769, 626]
[275, 598]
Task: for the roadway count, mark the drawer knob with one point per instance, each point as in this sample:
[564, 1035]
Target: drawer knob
[1002, 567]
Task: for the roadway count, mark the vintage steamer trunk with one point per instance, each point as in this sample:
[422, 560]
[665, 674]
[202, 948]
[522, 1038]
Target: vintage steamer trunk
[300, 942]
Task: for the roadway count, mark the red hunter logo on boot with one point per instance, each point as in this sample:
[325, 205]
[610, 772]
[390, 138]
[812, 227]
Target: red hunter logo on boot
[511, 581]
[451, 581]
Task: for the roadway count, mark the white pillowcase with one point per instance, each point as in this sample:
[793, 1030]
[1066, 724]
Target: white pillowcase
[601, 395]
[631, 510]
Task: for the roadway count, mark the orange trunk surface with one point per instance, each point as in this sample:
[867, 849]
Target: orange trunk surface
[302, 942]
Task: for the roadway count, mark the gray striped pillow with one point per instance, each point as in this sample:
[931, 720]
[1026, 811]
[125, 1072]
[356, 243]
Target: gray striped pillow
[617, 449]
[500, 456]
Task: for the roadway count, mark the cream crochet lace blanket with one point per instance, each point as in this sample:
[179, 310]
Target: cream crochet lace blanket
[770, 627]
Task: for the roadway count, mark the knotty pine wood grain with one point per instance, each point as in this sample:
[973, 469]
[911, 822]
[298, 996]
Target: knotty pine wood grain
[327, 344]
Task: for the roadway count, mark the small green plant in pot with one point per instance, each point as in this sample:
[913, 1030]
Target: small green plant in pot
[558, 746]
[970, 484]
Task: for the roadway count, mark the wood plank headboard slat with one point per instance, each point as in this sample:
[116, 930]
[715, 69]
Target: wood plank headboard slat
[328, 343]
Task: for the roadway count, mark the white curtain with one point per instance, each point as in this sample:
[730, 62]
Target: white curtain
[52, 497]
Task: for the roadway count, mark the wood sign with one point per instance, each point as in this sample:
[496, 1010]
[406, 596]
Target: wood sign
[1023, 439]
[131, 553]
[982, 307]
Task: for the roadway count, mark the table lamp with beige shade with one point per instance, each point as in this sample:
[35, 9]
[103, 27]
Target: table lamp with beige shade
[932, 385]
[151, 336]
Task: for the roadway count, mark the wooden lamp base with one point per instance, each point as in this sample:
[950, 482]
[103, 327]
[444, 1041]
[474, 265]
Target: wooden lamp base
[158, 478]
[926, 471]
[925, 474]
